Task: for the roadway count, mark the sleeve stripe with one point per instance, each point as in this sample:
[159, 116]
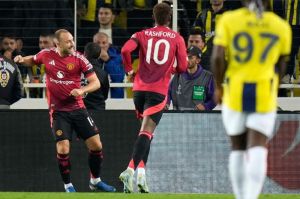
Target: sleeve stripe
[88, 72]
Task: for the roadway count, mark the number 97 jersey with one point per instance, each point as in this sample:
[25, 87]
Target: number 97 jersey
[253, 46]
[160, 50]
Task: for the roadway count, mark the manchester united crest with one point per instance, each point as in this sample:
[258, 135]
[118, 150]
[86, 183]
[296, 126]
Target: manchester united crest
[70, 66]
[4, 78]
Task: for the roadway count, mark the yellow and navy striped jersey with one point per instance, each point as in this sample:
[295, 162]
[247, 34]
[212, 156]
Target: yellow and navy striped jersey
[253, 46]
[292, 11]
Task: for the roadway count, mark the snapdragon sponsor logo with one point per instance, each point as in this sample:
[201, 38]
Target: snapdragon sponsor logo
[160, 34]
[61, 81]
[60, 74]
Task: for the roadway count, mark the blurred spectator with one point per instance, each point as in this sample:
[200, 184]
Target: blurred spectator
[193, 7]
[111, 60]
[88, 10]
[19, 44]
[116, 35]
[194, 89]
[31, 18]
[297, 70]
[197, 38]
[11, 86]
[9, 50]
[106, 15]
[207, 18]
[183, 20]
[291, 13]
[9, 46]
[277, 6]
[96, 100]
[139, 14]
[206, 21]
[37, 72]
[46, 40]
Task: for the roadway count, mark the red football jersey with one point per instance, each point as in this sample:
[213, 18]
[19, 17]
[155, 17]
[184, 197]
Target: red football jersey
[160, 50]
[63, 74]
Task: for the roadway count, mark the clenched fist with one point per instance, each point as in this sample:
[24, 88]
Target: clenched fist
[77, 92]
[19, 59]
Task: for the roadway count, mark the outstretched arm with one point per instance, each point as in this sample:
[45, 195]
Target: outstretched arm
[26, 61]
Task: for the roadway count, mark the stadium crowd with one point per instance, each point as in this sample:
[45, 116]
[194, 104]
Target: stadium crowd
[109, 36]
[111, 22]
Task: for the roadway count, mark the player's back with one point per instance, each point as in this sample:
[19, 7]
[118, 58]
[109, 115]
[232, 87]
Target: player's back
[254, 46]
[158, 48]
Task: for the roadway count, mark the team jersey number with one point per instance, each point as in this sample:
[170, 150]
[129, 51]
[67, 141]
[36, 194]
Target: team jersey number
[243, 44]
[157, 46]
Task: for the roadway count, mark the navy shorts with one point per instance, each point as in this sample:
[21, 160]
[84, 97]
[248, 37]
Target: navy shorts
[65, 123]
[149, 104]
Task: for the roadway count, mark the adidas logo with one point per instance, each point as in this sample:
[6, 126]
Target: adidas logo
[52, 63]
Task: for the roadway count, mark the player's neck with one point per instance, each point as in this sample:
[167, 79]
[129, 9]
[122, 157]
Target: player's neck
[166, 25]
[105, 26]
[62, 54]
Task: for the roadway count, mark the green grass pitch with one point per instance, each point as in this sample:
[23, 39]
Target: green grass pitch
[47, 195]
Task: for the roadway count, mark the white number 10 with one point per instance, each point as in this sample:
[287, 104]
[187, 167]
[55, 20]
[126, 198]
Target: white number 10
[156, 49]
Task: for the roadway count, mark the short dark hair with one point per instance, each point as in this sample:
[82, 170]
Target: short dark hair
[92, 50]
[47, 33]
[162, 13]
[198, 31]
[109, 6]
[10, 36]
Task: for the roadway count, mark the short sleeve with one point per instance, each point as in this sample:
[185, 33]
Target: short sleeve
[221, 33]
[135, 37]
[38, 58]
[85, 66]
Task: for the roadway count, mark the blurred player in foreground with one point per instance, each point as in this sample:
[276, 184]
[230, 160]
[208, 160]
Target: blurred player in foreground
[257, 43]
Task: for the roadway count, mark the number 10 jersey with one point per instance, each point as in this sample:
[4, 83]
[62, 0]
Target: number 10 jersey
[162, 51]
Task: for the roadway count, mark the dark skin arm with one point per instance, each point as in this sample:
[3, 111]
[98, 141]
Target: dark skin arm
[218, 65]
[282, 65]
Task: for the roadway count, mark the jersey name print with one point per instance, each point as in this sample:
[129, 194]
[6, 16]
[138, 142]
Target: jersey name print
[253, 47]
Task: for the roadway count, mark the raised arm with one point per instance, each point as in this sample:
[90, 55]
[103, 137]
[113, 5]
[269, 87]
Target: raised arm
[26, 61]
